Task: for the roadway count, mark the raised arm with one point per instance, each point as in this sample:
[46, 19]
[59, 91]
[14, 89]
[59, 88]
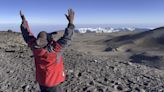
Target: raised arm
[27, 35]
[66, 38]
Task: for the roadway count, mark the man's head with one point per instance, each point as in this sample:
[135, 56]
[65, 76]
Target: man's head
[44, 38]
[42, 34]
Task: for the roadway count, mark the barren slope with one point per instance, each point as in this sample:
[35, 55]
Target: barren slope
[86, 71]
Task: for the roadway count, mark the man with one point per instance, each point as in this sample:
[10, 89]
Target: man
[48, 54]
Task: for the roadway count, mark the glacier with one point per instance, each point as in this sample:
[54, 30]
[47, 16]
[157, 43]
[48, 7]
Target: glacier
[108, 30]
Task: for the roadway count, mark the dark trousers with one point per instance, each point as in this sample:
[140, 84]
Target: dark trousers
[51, 89]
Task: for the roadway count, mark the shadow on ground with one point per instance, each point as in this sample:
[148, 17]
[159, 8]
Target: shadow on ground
[150, 61]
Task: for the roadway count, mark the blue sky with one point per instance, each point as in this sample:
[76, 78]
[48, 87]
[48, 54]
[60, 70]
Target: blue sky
[87, 11]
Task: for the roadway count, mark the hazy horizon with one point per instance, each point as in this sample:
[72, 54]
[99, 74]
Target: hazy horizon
[16, 27]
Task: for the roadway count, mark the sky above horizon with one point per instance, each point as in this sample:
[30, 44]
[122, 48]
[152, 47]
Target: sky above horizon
[87, 11]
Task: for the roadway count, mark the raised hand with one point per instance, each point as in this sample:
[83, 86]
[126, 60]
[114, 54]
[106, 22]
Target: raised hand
[70, 16]
[22, 15]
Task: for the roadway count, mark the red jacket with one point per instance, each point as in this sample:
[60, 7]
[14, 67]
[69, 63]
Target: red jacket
[48, 62]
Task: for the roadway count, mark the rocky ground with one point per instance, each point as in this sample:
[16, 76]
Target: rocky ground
[91, 65]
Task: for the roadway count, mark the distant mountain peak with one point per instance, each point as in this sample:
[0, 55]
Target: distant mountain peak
[108, 30]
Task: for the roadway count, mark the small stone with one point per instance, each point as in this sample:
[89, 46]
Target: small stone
[10, 71]
[70, 71]
[91, 83]
[115, 69]
[85, 88]
[79, 74]
[112, 81]
[119, 87]
[137, 89]
[21, 56]
[130, 63]
[25, 88]
[145, 84]
[8, 50]
[95, 61]
[142, 90]
[105, 79]
[116, 83]
[100, 90]
[112, 67]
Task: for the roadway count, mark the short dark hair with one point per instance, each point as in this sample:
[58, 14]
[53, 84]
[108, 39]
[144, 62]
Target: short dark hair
[42, 34]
